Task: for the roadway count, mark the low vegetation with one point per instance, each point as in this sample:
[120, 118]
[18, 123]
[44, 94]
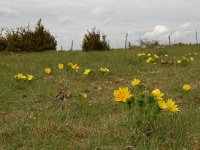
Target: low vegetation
[26, 39]
[94, 41]
[117, 99]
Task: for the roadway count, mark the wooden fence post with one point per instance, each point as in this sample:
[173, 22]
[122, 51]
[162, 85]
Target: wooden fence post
[197, 38]
[72, 44]
[169, 40]
[126, 40]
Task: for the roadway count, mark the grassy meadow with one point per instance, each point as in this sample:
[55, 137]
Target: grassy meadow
[50, 111]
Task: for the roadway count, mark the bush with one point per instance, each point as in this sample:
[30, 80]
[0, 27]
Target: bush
[25, 39]
[93, 40]
[148, 43]
[43, 39]
[3, 42]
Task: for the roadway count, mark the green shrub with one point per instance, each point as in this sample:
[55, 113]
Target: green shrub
[25, 39]
[93, 40]
[3, 44]
[148, 43]
[43, 39]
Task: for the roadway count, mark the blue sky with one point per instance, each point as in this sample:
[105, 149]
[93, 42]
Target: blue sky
[69, 19]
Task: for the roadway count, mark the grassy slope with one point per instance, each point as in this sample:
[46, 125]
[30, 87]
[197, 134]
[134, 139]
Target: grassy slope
[76, 124]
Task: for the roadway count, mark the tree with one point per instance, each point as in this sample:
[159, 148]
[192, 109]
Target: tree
[25, 39]
[43, 39]
[93, 40]
[3, 41]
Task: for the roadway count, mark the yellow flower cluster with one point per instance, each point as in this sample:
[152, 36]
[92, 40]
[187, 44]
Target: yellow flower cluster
[185, 60]
[23, 77]
[104, 70]
[124, 94]
[84, 95]
[150, 57]
[87, 71]
[141, 54]
[73, 66]
[32, 116]
[169, 105]
[158, 94]
[149, 60]
[3, 64]
[155, 56]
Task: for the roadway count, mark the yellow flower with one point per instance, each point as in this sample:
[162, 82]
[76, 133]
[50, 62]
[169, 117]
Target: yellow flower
[122, 94]
[148, 54]
[87, 71]
[166, 55]
[149, 60]
[20, 76]
[90, 103]
[32, 116]
[155, 56]
[171, 106]
[179, 61]
[186, 87]
[47, 70]
[29, 77]
[191, 59]
[104, 70]
[75, 67]
[101, 70]
[141, 54]
[135, 82]
[162, 104]
[60, 66]
[158, 94]
[84, 95]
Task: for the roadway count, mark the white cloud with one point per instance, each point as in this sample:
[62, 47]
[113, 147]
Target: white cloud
[180, 34]
[107, 21]
[101, 11]
[6, 12]
[65, 20]
[69, 19]
[157, 31]
[184, 32]
[98, 10]
[186, 26]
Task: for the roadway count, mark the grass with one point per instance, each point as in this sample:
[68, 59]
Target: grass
[97, 122]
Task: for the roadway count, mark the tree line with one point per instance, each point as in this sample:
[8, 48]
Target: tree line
[40, 39]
